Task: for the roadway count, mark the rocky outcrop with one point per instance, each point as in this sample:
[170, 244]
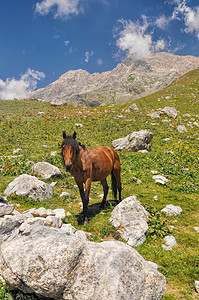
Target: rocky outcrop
[60, 263]
[129, 80]
[29, 186]
[130, 218]
[135, 141]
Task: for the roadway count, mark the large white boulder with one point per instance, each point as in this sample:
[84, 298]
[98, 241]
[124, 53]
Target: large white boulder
[29, 186]
[60, 265]
[129, 217]
[45, 170]
[135, 141]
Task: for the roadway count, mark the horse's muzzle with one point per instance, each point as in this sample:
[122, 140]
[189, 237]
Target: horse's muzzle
[68, 168]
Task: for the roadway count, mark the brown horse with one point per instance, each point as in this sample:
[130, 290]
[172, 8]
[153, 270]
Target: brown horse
[87, 165]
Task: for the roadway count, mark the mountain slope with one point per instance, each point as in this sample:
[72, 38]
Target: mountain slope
[127, 81]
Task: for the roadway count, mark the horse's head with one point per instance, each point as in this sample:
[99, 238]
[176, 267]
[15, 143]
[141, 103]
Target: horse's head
[70, 149]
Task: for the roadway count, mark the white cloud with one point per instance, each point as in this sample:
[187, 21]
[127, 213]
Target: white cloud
[66, 43]
[162, 21]
[88, 55]
[99, 61]
[12, 88]
[190, 16]
[133, 39]
[64, 8]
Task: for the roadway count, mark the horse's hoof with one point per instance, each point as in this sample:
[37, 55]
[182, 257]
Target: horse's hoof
[86, 221]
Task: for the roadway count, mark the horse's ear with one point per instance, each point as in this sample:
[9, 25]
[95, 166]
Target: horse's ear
[74, 135]
[64, 135]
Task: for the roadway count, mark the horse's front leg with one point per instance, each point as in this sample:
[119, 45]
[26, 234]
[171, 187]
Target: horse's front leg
[84, 201]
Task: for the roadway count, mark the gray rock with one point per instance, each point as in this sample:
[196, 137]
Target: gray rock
[51, 263]
[181, 128]
[29, 186]
[138, 140]
[130, 219]
[169, 111]
[170, 242]
[133, 107]
[160, 179]
[45, 170]
[172, 210]
[6, 209]
[154, 115]
[197, 286]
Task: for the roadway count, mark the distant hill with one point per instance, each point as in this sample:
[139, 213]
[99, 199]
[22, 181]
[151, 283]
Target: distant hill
[129, 80]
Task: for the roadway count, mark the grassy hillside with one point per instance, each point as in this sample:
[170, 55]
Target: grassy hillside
[31, 126]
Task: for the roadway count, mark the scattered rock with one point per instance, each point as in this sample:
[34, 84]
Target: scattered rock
[160, 179]
[169, 111]
[45, 170]
[196, 229]
[172, 210]
[197, 286]
[170, 242]
[78, 125]
[51, 263]
[29, 186]
[154, 115]
[181, 128]
[130, 218]
[64, 194]
[133, 107]
[135, 141]
[53, 153]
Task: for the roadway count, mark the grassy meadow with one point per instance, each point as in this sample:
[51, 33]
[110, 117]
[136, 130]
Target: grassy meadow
[36, 129]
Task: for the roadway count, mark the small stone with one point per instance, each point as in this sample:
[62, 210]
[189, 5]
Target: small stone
[172, 210]
[160, 179]
[196, 229]
[154, 172]
[197, 286]
[170, 240]
[155, 198]
[64, 194]
[181, 128]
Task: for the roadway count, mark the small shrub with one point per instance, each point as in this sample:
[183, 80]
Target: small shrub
[157, 224]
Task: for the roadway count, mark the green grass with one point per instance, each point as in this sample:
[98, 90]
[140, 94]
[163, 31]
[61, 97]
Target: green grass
[178, 158]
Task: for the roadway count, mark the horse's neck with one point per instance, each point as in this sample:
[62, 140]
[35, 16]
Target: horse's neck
[79, 162]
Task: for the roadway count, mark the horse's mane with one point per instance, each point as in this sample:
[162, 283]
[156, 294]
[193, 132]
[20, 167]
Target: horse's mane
[70, 141]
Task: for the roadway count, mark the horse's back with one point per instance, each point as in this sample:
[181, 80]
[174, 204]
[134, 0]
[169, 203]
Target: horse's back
[101, 160]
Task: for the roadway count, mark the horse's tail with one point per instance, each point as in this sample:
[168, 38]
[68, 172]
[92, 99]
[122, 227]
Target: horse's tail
[114, 185]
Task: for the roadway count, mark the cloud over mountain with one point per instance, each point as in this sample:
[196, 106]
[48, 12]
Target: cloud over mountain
[12, 88]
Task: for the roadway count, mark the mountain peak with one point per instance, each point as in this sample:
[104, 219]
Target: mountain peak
[127, 81]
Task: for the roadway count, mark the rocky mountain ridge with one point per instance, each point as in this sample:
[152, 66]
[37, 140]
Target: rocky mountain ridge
[129, 80]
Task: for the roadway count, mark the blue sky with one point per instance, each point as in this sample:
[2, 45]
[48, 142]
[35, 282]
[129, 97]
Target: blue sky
[42, 39]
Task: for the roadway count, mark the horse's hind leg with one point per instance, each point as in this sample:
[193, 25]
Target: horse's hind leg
[105, 189]
[116, 172]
